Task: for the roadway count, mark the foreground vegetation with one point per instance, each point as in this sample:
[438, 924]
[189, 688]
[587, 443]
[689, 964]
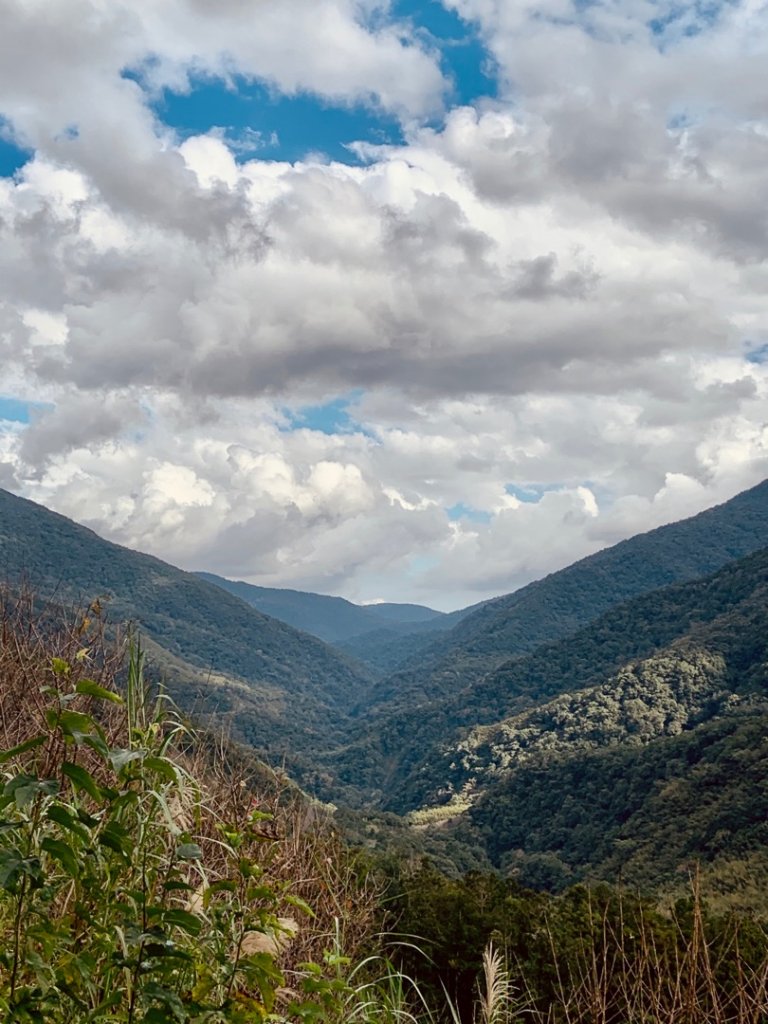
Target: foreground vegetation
[152, 874]
[142, 877]
[588, 956]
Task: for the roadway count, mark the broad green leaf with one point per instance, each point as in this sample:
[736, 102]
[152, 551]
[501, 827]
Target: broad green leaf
[92, 689]
[163, 767]
[189, 923]
[13, 865]
[174, 885]
[21, 748]
[116, 838]
[24, 789]
[120, 757]
[63, 853]
[97, 743]
[81, 779]
[10, 868]
[76, 725]
[87, 819]
[64, 817]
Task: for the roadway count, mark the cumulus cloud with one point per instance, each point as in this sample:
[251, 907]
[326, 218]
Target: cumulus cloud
[561, 289]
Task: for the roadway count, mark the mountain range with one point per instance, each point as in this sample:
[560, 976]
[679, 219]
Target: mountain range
[606, 720]
[380, 635]
[264, 681]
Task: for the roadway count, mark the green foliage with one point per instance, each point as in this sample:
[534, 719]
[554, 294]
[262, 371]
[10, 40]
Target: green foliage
[589, 955]
[644, 813]
[144, 870]
[455, 682]
[607, 765]
[271, 686]
[402, 758]
[108, 909]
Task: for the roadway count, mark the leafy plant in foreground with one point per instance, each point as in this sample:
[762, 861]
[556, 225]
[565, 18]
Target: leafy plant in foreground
[109, 908]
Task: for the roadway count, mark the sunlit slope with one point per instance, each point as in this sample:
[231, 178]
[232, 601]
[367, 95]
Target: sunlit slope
[384, 752]
[631, 749]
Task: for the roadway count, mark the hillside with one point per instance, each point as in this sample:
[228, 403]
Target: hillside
[564, 601]
[618, 764]
[576, 760]
[381, 636]
[242, 883]
[273, 686]
[642, 813]
[634, 630]
[396, 757]
[332, 619]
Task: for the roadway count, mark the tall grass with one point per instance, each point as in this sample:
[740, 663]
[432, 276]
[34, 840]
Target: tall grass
[621, 973]
[152, 874]
[145, 875]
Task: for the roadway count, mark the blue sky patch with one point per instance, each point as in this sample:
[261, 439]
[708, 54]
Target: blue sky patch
[258, 121]
[329, 418]
[12, 157]
[463, 56]
[462, 511]
[16, 410]
[530, 493]
[758, 354]
[270, 126]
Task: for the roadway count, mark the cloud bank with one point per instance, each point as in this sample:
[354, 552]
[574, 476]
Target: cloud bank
[546, 312]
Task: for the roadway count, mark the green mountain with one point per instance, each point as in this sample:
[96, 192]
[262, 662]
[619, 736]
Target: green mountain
[332, 619]
[594, 724]
[514, 651]
[381, 636]
[562, 602]
[280, 690]
[633, 747]
[405, 613]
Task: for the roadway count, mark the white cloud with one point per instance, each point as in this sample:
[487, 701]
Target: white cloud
[558, 288]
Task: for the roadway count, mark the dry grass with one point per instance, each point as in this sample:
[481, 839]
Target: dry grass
[625, 973]
[298, 849]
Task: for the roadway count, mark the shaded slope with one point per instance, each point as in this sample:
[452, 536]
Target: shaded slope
[278, 687]
[382, 636]
[330, 618]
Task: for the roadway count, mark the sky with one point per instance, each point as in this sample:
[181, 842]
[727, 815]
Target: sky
[408, 301]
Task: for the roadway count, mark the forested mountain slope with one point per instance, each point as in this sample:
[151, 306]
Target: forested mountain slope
[275, 687]
[561, 603]
[644, 814]
[619, 763]
[332, 619]
[397, 756]
[382, 636]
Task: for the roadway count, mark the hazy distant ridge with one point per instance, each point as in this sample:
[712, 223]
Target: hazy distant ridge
[331, 618]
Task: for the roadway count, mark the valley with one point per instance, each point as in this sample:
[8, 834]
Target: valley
[561, 733]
